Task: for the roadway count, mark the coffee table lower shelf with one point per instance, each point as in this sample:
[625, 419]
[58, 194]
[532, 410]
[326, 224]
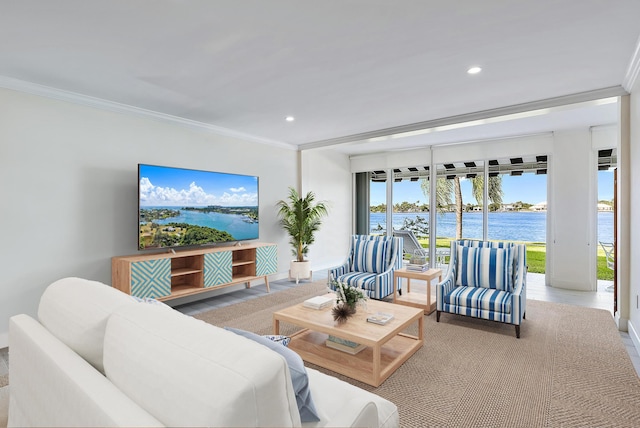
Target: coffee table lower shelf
[310, 345]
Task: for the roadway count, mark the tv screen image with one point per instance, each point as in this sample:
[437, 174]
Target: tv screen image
[180, 207]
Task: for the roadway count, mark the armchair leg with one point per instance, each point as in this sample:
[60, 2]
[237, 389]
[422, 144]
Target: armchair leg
[518, 331]
[524, 315]
[437, 316]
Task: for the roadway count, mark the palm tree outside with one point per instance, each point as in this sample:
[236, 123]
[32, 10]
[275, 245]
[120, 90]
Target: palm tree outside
[445, 188]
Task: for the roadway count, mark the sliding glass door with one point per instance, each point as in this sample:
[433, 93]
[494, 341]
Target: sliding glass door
[378, 203]
[512, 207]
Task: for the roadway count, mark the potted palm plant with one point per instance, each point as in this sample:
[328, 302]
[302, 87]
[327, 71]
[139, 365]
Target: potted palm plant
[301, 217]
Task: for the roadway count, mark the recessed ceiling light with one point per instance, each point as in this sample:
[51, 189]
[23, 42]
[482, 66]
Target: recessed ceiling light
[289, 118]
[474, 70]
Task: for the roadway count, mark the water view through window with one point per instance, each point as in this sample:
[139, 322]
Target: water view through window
[517, 210]
[516, 204]
[517, 226]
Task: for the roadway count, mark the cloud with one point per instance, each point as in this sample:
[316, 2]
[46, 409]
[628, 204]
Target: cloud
[239, 199]
[195, 195]
[145, 185]
[238, 189]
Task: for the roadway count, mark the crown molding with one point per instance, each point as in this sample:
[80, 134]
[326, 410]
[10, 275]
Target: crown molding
[89, 101]
[613, 91]
[631, 77]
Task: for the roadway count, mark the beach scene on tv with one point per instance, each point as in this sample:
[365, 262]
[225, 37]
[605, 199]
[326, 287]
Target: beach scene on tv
[182, 207]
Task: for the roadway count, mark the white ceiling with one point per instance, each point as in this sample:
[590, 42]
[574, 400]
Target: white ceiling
[341, 68]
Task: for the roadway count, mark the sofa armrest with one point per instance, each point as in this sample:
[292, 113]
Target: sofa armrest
[384, 284]
[519, 298]
[335, 272]
[385, 281]
[443, 288]
[387, 272]
[53, 386]
[341, 404]
[520, 286]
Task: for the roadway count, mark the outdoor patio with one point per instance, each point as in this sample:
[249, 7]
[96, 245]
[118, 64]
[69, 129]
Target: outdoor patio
[601, 299]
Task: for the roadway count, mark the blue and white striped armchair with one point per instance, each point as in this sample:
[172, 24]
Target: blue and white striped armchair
[485, 280]
[370, 265]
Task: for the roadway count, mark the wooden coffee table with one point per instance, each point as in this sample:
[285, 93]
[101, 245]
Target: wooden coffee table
[387, 346]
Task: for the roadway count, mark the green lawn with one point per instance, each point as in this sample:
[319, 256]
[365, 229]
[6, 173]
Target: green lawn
[536, 254]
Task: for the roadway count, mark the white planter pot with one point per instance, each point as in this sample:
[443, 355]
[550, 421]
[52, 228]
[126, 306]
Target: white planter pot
[300, 270]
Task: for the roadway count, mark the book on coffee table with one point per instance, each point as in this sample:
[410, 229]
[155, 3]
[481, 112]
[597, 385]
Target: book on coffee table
[380, 318]
[320, 302]
[344, 345]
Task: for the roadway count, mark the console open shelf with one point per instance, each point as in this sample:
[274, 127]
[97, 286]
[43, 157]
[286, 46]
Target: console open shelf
[248, 262]
[184, 271]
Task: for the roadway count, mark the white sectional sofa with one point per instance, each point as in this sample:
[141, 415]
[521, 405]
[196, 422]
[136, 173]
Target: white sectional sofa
[96, 357]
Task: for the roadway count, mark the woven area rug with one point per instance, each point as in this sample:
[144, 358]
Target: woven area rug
[569, 368]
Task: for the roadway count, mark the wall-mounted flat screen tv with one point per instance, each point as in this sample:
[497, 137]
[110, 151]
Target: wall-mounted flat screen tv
[184, 207]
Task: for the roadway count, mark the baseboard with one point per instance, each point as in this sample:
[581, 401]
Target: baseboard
[635, 338]
[622, 323]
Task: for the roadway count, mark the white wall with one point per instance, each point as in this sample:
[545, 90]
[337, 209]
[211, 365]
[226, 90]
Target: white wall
[572, 243]
[68, 178]
[634, 201]
[623, 215]
[327, 174]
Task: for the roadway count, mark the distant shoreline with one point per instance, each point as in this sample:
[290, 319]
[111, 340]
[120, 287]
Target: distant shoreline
[529, 226]
[426, 213]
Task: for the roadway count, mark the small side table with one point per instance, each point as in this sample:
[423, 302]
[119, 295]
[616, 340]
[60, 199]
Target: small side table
[417, 300]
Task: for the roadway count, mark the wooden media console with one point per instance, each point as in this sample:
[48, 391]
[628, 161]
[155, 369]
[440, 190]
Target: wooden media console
[165, 276]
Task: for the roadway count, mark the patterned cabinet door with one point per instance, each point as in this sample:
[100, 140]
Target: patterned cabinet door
[151, 278]
[266, 260]
[217, 268]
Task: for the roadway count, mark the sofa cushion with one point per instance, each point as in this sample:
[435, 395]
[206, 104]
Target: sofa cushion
[299, 376]
[366, 281]
[480, 298]
[485, 267]
[76, 310]
[186, 372]
[370, 255]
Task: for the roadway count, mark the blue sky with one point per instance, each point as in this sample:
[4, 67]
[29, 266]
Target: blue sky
[529, 188]
[163, 186]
